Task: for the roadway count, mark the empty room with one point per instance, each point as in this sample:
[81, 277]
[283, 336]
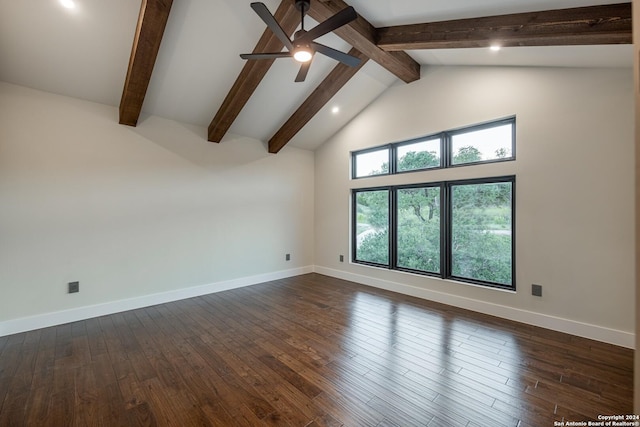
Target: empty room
[318, 213]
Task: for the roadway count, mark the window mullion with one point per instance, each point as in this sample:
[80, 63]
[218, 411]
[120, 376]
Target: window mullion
[354, 225]
[446, 149]
[393, 164]
[393, 228]
[445, 230]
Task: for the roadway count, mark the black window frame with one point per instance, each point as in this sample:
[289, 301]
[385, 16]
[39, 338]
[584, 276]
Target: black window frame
[477, 127]
[354, 235]
[446, 152]
[394, 153]
[354, 161]
[394, 236]
[449, 224]
[445, 229]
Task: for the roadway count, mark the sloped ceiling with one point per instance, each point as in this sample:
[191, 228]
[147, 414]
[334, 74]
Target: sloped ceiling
[84, 52]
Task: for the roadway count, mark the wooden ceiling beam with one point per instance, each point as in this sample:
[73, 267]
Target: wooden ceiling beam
[336, 79]
[253, 72]
[362, 35]
[593, 25]
[152, 21]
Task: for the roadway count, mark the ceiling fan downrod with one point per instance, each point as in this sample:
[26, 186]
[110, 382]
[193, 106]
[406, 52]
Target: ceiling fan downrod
[303, 6]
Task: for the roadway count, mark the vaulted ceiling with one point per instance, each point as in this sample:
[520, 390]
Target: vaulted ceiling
[184, 64]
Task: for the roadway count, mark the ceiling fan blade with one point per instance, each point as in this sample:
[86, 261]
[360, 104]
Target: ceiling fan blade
[266, 55]
[345, 58]
[271, 22]
[336, 21]
[304, 69]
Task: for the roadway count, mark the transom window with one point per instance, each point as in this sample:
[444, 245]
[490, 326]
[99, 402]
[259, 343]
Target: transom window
[484, 143]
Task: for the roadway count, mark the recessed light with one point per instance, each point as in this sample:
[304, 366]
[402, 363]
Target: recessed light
[69, 4]
[495, 48]
[335, 110]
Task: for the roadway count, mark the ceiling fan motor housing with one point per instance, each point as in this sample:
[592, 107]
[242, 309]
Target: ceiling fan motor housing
[303, 5]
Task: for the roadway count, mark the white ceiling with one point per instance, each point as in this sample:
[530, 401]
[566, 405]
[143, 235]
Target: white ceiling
[84, 53]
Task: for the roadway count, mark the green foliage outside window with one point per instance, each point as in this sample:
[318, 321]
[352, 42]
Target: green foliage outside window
[419, 229]
[419, 160]
[481, 232]
[372, 226]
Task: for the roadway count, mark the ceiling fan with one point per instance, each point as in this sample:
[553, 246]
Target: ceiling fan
[303, 47]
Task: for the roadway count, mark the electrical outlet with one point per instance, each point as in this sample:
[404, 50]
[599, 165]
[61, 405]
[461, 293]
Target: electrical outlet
[341, 258]
[74, 287]
[536, 290]
[287, 257]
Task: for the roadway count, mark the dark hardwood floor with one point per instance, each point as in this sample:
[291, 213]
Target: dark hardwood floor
[307, 351]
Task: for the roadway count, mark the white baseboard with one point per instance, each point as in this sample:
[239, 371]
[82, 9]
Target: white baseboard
[595, 332]
[585, 330]
[24, 324]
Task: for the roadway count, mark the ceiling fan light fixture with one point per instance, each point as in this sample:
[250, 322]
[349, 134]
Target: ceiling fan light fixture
[302, 54]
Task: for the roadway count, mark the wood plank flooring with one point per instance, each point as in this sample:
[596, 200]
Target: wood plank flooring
[307, 351]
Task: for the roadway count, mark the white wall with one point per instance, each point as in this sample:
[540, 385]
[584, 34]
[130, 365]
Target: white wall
[156, 212]
[133, 212]
[574, 189]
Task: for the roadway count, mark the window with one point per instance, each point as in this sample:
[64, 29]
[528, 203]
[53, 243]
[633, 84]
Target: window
[481, 234]
[371, 215]
[418, 228]
[462, 230]
[492, 142]
[419, 155]
[484, 143]
[371, 162]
